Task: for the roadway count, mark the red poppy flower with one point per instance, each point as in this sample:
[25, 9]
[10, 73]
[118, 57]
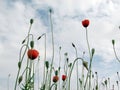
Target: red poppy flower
[32, 54]
[55, 78]
[85, 23]
[64, 77]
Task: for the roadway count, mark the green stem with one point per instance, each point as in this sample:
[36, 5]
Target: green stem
[88, 42]
[52, 86]
[8, 81]
[82, 77]
[89, 71]
[20, 60]
[77, 68]
[44, 60]
[52, 50]
[116, 54]
[72, 70]
[59, 64]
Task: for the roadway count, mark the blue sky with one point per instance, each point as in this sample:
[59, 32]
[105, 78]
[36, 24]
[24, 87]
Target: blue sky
[67, 17]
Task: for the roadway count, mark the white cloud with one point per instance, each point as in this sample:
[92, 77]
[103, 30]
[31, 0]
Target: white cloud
[104, 22]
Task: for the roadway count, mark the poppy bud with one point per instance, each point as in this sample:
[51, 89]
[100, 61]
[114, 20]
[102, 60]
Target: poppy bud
[32, 54]
[55, 79]
[96, 87]
[67, 59]
[19, 64]
[47, 64]
[96, 73]
[70, 65]
[39, 38]
[32, 44]
[20, 79]
[64, 77]
[117, 82]
[73, 44]
[105, 82]
[60, 47]
[85, 23]
[50, 10]
[23, 41]
[59, 68]
[93, 51]
[66, 54]
[113, 42]
[80, 81]
[56, 72]
[85, 64]
[31, 21]
[117, 72]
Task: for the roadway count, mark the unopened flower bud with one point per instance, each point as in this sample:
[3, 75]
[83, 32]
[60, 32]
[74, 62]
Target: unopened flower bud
[93, 51]
[23, 41]
[19, 64]
[85, 64]
[56, 72]
[73, 44]
[113, 42]
[31, 21]
[47, 64]
[20, 79]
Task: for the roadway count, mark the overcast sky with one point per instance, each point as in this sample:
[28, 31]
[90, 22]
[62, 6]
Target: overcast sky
[67, 17]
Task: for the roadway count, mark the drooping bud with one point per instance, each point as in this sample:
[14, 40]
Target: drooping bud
[23, 41]
[85, 64]
[73, 44]
[38, 37]
[32, 44]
